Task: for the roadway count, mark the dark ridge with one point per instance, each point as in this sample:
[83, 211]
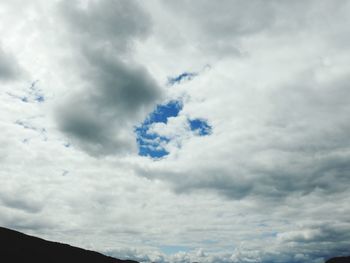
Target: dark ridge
[339, 260]
[18, 247]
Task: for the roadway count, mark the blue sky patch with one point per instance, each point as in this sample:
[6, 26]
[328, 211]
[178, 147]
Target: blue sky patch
[182, 77]
[200, 126]
[163, 112]
[152, 145]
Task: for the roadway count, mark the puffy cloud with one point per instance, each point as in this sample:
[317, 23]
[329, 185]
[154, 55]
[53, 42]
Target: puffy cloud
[279, 115]
[282, 140]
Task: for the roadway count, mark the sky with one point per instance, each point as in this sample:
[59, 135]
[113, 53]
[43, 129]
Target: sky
[178, 131]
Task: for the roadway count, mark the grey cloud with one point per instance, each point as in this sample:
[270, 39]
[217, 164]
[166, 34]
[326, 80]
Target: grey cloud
[22, 222]
[9, 68]
[327, 232]
[20, 201]
[121, 85]
[229, 18]
[111, 23]
[219, 29]
[205, 178]
[25, 205]
[313, 242]
[116, 94]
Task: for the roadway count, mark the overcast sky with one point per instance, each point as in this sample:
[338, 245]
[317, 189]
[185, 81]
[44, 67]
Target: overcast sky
[178, 131]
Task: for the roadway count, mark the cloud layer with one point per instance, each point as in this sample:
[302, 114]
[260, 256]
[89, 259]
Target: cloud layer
[271, 82]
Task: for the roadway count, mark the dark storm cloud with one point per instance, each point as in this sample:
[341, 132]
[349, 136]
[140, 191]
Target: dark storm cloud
[9, 68]
[123, 87]
[115, 94]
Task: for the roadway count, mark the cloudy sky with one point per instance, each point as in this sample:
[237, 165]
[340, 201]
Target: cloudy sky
[178, 131]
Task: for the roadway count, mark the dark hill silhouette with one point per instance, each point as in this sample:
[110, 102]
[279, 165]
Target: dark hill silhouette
[18, 247]
[339, 260]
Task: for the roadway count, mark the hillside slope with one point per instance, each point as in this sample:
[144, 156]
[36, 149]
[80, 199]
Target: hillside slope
[339, 260]
[18, 247]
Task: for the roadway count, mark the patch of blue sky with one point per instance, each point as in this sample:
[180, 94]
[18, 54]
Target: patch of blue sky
[163, 112]
[154, 145]
[200, 126]
[151, 144]
[152, 152]
[182, 77]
